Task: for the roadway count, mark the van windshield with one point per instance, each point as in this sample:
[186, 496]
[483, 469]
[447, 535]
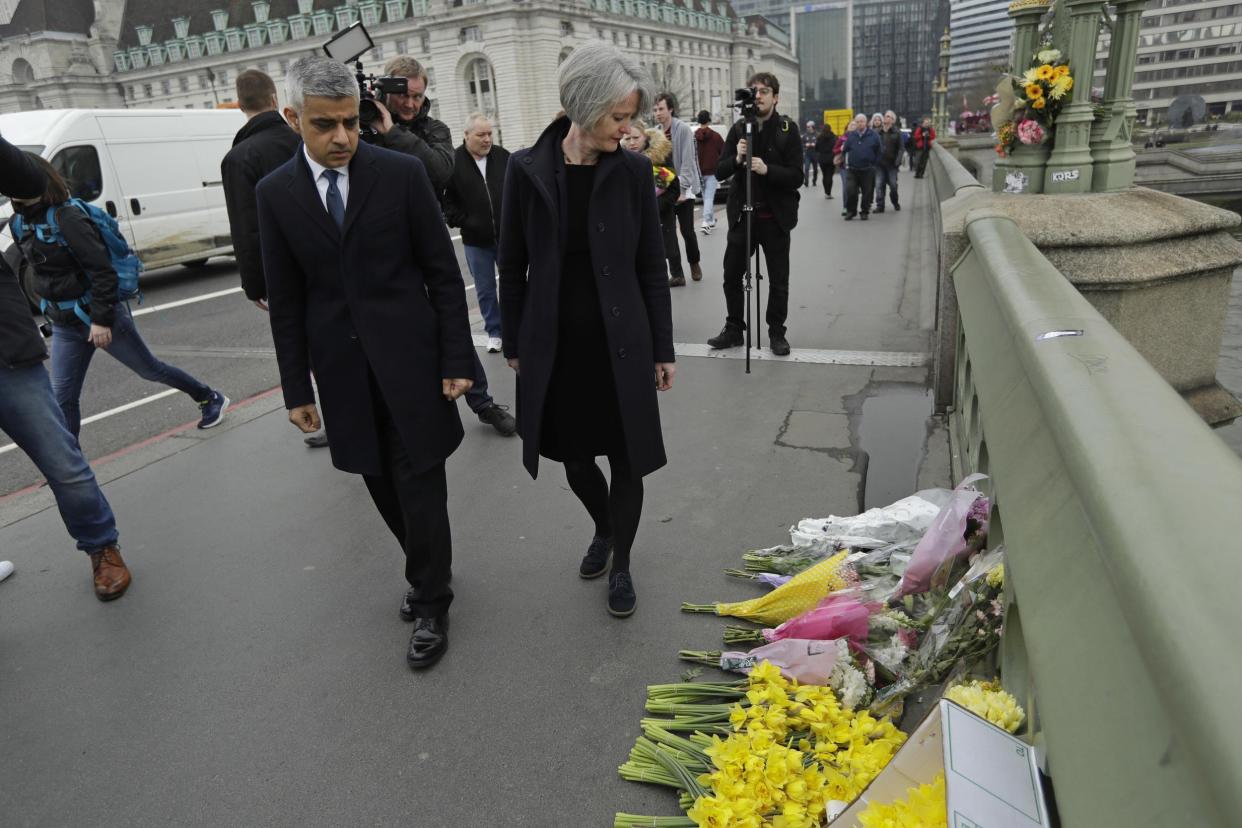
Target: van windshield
[35, 149]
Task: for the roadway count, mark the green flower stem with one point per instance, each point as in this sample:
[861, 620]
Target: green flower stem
[740, 573]
[635, 821]
[743, 635]
[703, 608]
[675, 709]
[709, 657]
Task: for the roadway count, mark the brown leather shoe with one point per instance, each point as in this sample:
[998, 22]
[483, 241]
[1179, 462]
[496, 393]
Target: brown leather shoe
[111, 574]
[696, 272]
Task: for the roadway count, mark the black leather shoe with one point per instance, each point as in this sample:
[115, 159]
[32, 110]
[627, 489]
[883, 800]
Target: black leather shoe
[621, 597]
[779, 344]
[428, 643]
[407, 607]
[597, 558]
[317, 441]
[728, 337]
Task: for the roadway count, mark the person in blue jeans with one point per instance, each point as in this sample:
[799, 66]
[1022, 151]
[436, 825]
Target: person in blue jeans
[31, 417]
[79, 267]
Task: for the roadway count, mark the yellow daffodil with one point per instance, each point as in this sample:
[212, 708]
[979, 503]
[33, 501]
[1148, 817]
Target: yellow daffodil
[709, 812]
[923, 807]
[988, 701]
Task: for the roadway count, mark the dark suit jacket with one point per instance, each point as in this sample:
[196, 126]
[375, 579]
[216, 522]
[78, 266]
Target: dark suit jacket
[383, 299]
[627, 252]
[262, 145]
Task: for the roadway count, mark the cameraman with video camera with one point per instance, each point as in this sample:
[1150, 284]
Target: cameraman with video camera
[776, 167]
[406, 124]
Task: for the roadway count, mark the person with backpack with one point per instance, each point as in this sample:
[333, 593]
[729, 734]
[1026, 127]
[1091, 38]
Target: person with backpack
[30, 416]
[84, 274]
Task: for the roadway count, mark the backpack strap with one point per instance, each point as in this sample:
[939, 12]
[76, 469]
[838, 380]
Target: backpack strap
[78, 307]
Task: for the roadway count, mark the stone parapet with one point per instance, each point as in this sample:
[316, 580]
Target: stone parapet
[1158, 267]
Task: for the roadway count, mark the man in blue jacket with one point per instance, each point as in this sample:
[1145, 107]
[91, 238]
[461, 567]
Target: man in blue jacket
[862, 152]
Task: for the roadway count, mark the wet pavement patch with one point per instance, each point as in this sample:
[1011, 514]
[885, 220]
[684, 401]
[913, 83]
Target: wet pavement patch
[817, 430]
[892, 430]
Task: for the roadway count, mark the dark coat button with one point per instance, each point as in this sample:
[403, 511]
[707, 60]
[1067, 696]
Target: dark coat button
[353, 336]
[606, 271]
[616, 311]
[622, 353]
[526, 160]
[600, 227]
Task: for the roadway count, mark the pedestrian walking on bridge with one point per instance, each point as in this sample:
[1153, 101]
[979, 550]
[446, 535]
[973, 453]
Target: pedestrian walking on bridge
[75, 278]
[364, 284]
[588, 323]
[31, 417]
[862, 153]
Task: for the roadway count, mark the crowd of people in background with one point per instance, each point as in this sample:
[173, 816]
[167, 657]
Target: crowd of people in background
[867, 157]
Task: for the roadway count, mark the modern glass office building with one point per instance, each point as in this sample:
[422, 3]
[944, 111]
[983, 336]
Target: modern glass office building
[1186, 47]
[981, 32]
[821, 34]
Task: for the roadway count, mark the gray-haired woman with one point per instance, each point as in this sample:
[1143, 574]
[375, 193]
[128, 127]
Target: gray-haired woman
[585, 308]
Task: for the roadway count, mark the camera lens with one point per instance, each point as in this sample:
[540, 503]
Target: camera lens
[368, 113]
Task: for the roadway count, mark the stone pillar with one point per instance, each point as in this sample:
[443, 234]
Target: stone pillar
[1111, 149]
[941, 125]
[1026, 15]
[1069, 167]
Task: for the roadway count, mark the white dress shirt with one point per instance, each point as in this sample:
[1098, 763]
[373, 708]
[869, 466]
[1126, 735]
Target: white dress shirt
[321, 180]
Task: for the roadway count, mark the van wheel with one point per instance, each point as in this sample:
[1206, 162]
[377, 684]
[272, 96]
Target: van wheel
[197, 263]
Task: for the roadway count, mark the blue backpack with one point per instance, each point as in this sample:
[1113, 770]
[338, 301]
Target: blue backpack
[125, 261]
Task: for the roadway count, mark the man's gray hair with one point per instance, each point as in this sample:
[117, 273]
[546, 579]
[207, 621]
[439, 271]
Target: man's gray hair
[595, 77]
[473, 118]
[320, 77]
[892, 113]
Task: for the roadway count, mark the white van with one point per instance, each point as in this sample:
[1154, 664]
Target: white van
[157, 171]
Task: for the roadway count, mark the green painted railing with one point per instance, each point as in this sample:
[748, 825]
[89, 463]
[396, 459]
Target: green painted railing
[1121, 514]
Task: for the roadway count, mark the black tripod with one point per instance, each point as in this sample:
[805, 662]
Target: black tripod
[748, 214]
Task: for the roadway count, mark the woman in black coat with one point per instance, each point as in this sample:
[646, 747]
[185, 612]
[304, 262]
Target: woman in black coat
[585, 308]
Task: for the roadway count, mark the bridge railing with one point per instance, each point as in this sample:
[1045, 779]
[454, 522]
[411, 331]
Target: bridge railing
[1121, 514]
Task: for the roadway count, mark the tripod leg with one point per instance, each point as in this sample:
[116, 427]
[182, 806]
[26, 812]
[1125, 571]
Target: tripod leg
[758, 297]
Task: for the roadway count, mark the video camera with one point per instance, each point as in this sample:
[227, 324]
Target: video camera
[348, 45]
[744, 103]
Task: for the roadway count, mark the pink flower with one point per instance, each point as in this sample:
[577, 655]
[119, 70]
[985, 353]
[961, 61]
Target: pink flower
[1030, 132]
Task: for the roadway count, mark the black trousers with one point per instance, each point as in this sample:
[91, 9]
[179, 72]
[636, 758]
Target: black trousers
[830, 172]
[414, 504]
[920, 156]
[775, 243]
[668, 226]
[685, 218]
[859, 182]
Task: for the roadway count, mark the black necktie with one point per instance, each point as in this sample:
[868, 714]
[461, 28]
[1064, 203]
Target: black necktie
[336, 204]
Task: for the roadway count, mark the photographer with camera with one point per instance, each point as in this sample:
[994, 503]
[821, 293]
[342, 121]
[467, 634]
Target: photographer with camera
[405, 123]
[775, 162]
[30, 415]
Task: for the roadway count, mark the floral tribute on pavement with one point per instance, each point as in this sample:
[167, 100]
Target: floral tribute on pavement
[861, 612]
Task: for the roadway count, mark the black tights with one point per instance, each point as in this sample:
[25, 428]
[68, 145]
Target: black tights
[614, 509]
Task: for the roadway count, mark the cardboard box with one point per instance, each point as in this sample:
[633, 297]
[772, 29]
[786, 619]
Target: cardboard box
[991, 777]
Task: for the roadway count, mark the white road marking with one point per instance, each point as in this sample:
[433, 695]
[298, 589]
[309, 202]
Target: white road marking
[181, 302]
[120, 409]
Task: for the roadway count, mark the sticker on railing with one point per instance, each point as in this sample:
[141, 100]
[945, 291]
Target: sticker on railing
[1056, 335]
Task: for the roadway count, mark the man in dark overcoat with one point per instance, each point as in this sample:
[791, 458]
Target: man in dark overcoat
[364, 283]
[627, 253]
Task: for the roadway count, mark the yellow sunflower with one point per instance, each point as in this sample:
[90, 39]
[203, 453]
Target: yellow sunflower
[1059, 72]
[1033, 91]
[1045, 72]
[1039, 103]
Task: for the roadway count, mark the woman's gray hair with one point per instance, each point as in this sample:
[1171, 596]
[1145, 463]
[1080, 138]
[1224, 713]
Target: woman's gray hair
[595, 77]
[320, 77]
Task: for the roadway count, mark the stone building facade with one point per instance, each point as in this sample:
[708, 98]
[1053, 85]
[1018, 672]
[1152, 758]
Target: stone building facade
[496, 56]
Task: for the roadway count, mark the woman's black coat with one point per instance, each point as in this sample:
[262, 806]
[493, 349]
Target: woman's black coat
[627, 257]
